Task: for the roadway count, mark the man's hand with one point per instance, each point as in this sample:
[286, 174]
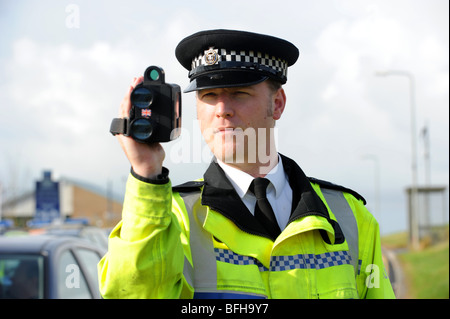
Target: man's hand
[146, 159]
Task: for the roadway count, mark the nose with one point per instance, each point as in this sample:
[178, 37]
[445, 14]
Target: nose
[224, 107]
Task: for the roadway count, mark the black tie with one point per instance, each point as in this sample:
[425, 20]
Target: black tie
[263, 211]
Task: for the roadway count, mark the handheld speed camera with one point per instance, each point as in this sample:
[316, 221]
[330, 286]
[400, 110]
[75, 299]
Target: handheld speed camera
[155, 114]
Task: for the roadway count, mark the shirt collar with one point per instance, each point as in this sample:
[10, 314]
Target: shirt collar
[241, 181]
[219, 194]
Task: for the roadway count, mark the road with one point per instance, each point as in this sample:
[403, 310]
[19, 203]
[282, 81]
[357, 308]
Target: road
[395, 272]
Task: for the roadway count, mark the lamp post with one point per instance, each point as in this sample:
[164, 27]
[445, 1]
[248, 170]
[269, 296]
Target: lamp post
[376, 162]
[414, 200]
[1, 201]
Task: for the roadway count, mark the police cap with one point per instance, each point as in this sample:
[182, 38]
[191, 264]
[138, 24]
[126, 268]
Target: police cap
[230, 58]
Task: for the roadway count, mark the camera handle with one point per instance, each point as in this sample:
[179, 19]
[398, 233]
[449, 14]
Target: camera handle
[119, 126]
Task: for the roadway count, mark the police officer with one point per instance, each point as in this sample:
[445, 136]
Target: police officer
[254, 226]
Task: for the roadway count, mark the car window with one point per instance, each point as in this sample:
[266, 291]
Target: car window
[89, 259]
[71, 281]
[21, 277]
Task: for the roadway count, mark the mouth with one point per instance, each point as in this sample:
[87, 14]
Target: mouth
[224, 129]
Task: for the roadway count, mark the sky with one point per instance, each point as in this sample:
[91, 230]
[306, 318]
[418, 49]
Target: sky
[66, 65]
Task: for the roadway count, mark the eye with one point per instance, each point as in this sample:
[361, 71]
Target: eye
[241, 93]
[207, 94]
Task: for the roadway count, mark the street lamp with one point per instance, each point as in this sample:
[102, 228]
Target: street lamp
[376, 162]
[414, 198]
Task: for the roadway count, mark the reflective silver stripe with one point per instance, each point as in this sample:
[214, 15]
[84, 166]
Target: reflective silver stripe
[202, 250]
[347, 221]
[188, 272]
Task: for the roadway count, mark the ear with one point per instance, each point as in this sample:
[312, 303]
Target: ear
[279, 102]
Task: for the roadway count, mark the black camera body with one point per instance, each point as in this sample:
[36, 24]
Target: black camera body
[155, 114]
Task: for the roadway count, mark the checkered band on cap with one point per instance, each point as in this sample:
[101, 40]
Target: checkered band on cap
[243, 60]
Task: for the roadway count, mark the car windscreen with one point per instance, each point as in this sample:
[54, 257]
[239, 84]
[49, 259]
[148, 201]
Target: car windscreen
[21, 277]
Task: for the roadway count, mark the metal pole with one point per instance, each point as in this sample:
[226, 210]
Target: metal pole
[374, 158]
[414, 192]
[1, 201]
[427, 212]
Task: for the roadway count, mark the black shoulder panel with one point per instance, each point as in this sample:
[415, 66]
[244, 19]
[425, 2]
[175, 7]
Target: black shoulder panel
[187, 187]
[330, 185]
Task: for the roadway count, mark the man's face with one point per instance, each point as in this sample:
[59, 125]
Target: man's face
[236, 123]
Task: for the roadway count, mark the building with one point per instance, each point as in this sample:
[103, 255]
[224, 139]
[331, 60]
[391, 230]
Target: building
[76, 200]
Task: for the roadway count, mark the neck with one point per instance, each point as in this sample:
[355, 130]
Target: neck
[256, 156]
[258, 169]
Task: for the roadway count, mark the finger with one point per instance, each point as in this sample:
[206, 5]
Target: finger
[125, 105]
[138, 80]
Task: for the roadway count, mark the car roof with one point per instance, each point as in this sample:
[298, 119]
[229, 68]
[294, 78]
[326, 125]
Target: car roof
[34, 244]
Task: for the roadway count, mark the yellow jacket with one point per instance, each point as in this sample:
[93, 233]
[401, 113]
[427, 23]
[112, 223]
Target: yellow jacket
[198, 240]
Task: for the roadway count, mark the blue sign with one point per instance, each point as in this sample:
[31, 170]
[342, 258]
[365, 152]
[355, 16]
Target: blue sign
[47, 199]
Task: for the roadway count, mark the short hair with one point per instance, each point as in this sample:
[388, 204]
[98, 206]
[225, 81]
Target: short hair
[274, 85]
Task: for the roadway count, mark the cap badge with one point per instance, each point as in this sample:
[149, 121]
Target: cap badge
[211, 56]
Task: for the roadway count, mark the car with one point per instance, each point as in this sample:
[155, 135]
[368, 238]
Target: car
[76, 227]
[48, 267]
[92, 234]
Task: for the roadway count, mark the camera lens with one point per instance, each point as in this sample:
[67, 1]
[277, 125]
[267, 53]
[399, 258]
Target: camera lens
[142, 97]
[141, 129]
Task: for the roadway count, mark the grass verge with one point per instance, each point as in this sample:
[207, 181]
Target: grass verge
[427, 272]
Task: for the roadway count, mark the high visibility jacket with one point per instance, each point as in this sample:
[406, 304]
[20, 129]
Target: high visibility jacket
[199, 240]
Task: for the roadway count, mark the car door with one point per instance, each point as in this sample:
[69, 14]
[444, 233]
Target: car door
[88, 259]
[71, 282]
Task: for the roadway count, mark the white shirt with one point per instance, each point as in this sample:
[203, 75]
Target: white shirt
[279, 192]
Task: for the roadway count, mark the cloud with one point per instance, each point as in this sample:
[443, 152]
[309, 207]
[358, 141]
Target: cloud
[61, 99]
[60, 87]
[344, 111]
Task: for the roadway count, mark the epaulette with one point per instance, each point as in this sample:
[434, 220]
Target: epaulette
[187, 187]
[329, 185]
